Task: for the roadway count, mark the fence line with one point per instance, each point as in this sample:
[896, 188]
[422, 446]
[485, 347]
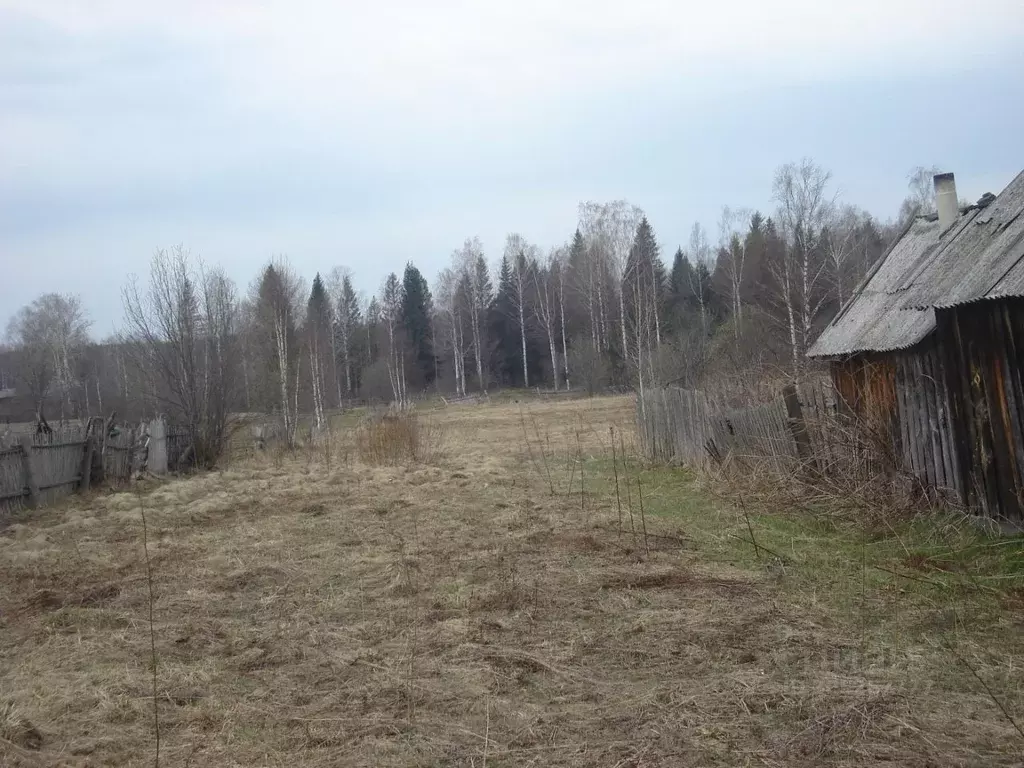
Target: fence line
[43, 468]
[694, 428]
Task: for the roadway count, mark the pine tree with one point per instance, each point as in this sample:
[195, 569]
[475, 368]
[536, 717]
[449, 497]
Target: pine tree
[416, 309]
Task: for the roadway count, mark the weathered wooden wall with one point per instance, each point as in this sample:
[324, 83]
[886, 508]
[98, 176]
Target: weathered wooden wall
[901, 401]
[952, 406]
[982, 345]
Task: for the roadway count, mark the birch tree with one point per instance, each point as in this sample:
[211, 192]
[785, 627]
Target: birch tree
[473, 268]
[804, 207]
[277, 299]
[642, 286]
[731, 240]
[611, 227]
[391, 317]
[49, 333]
[346, 324]
[839, 241]
[697, 275]
[521, 255]
[449, 303]
[318, 335]
[547, 305]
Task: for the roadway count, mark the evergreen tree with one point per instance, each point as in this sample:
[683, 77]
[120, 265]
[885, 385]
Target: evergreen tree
[681, 298]
[504, 336]
[346, 333]
[416, 309]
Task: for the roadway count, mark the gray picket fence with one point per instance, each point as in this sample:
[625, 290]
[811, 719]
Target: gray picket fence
[694, 428]
[39, 469]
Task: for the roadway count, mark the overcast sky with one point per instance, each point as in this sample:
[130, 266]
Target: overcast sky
[370, 134]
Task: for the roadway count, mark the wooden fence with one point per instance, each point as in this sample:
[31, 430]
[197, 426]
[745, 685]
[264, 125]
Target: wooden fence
[39, 469]
[692, 427]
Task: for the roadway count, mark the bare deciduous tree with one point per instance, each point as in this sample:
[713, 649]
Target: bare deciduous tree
[547, 307]
[48, 334]
[471, 265]
[610, 229]
[391, 316]
[183, 332]
[346, 322]
[521, 257]
[805, 207]
[277, 297]
[732, 242]
[698, 276]
[920, 197]
[448, 301]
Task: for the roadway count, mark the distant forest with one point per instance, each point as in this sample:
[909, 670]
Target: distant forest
[609, 308]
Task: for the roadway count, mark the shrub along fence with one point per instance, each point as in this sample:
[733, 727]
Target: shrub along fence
[39, 469]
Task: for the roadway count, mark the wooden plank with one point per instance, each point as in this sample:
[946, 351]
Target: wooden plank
[929, 385]
[796, 424]
[86, 474]
[901, 411]
[921, 452]
[946, 424]
[28, 475]
[60, 484]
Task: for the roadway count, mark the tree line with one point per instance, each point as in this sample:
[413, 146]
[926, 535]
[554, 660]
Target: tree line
[604, 309]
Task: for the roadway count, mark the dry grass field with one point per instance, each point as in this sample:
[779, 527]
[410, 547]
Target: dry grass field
[315, 610]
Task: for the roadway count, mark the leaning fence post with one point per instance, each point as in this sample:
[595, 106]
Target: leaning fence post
[798, 427]
[26, 469]
[90, 444]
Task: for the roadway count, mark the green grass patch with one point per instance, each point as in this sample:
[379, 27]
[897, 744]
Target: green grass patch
[914, 577]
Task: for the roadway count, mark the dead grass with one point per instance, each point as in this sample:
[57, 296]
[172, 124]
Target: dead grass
[457, 613]
[390, 439]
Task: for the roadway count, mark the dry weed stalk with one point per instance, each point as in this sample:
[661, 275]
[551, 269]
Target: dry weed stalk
[615, 470]
[152, 629]
[995, 699]
[583, 490]
[529, 451]
[629, 493]
[643, 517]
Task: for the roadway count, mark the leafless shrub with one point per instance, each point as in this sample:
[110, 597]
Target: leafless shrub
[396, 438]
[851, 472]
[589, 366]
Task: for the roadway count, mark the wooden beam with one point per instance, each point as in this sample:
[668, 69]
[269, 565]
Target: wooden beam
[27, 473]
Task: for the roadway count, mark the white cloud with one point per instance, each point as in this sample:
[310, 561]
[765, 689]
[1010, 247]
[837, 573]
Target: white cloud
[446, 61]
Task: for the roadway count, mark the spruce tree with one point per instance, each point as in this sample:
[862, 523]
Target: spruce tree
[416, 308]
[501, 329]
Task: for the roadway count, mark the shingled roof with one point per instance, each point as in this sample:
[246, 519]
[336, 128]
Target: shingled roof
[981, 256]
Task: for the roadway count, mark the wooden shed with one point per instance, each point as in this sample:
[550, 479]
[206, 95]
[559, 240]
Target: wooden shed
[928, 351]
